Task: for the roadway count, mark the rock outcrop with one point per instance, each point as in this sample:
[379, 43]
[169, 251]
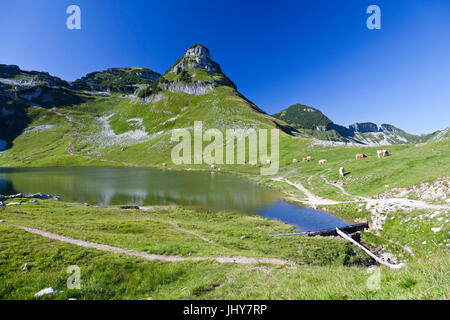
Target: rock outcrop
[116, 80]
[195, 73]
[388, 128]
[363, 127]
[197, 56]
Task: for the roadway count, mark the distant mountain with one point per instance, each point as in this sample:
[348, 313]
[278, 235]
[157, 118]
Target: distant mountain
[303, 117]
[315, 123]
[440, 135]
[116, 80]
[13, 76]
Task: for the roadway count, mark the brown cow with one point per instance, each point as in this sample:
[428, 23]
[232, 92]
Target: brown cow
[361, 156]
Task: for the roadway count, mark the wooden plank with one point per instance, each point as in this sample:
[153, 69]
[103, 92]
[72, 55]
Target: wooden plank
[377, 259]
[328, 232]
[289, 234]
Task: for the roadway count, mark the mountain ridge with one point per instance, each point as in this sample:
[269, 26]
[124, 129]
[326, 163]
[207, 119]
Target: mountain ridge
[122, 107]
[314, 122]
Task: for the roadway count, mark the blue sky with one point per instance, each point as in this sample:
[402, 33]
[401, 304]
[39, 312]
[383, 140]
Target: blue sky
[318, 53]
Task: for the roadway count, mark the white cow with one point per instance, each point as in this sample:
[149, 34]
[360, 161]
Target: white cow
[382, 153]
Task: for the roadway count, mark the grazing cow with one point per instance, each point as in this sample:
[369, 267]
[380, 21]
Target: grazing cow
[268, 161]
[323, 161]
[361, 156]
[294, 160]
[342, 172]
[382, 153]
[213, 166]
[309, 158]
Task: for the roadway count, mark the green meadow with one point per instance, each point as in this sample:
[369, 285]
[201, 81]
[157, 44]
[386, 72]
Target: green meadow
[174, 231]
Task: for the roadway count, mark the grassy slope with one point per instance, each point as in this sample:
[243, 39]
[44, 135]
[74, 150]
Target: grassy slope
[106, 275]
[408, 165]
[223, 108]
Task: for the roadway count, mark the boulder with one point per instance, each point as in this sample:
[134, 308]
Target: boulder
[129, 207]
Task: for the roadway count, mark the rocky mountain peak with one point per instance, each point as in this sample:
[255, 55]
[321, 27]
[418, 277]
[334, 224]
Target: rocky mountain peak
[196, 57]
[194, 73]
[198, 50]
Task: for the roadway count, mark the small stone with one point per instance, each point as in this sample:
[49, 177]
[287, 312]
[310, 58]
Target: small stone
[14, 203]
[46, 291]
[26, 267]
[242, 237]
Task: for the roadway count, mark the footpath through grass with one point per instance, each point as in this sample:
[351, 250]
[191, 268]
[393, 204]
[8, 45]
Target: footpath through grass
[327, 268]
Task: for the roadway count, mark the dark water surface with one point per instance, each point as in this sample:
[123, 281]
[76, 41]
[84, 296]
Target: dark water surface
[148, 186]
